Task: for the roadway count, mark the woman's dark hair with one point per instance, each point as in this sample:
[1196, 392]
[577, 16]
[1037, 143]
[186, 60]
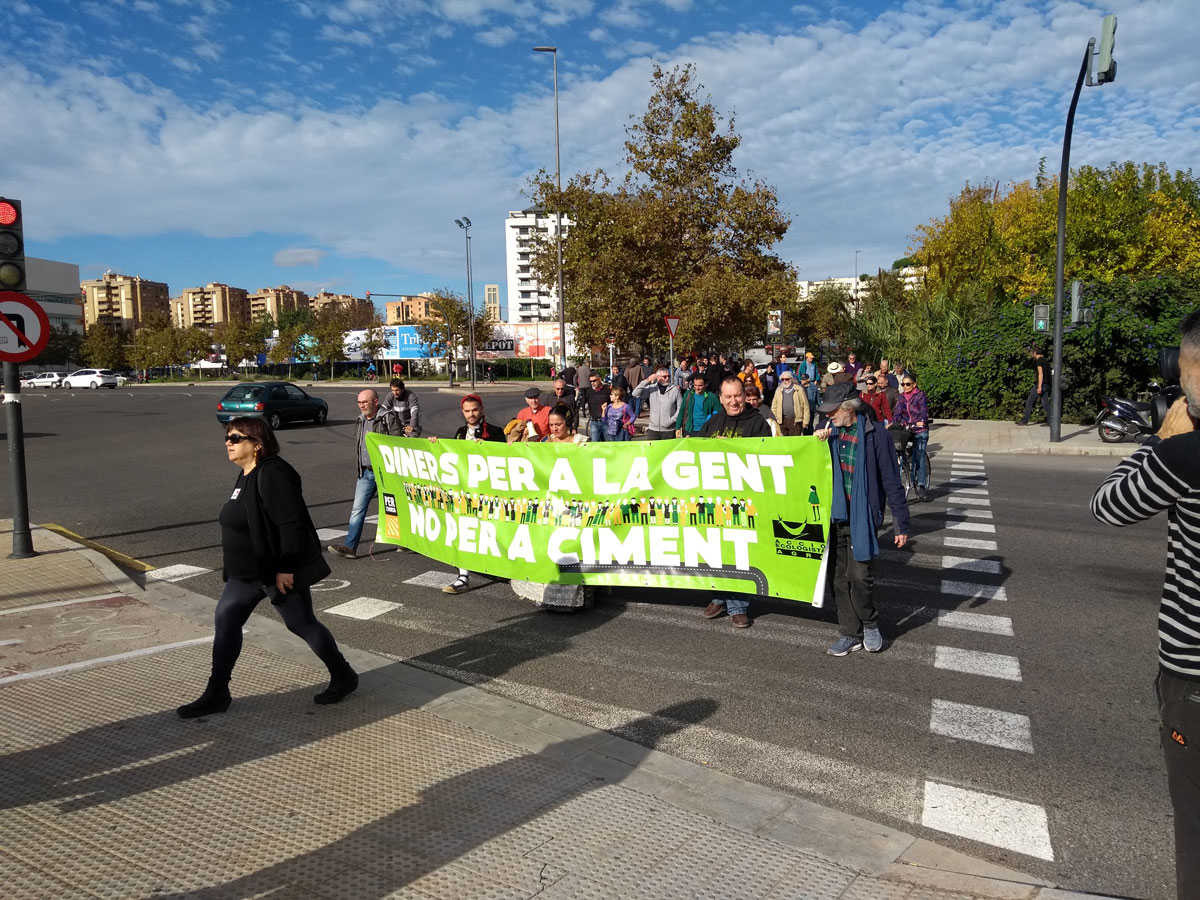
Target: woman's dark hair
[560, 410]
[258, 431]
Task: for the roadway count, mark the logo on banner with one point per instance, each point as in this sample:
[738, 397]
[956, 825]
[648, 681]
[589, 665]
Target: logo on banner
[805, 539]
[389, 504]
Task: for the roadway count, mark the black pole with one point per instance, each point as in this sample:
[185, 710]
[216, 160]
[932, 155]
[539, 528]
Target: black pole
[1060, 251]
[22, 538]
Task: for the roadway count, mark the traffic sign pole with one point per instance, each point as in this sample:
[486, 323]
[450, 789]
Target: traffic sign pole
[22, 545]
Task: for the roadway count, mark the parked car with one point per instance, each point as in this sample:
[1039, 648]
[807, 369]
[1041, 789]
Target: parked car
[43, 380]
[275, 401]
[90, 378]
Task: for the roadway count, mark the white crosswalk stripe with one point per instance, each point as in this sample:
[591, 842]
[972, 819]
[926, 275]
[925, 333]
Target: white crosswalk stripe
[331, 534]
[969, 513]
[969, 621]
[983, 725]
[968, 500]
[363, 608]
[999, 821]
[975, 591]
[963, 489]
[977, 662]
[982, 527]
[962, 543]
[432, 578]
[970, 564]
[177, 572]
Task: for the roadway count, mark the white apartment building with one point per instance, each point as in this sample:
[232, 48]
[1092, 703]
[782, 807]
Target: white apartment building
[528, 299]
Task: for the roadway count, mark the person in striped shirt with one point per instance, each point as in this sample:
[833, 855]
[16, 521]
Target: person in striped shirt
[1165, 476]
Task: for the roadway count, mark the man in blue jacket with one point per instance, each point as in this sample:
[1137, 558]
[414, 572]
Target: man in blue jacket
[864, 476]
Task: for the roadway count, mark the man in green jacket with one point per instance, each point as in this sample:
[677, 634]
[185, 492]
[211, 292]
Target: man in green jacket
[697, 407]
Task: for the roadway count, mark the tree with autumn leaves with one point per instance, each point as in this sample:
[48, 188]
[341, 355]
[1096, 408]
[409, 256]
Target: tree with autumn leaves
[681, 234]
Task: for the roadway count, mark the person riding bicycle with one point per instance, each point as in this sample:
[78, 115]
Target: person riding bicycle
[910, 426]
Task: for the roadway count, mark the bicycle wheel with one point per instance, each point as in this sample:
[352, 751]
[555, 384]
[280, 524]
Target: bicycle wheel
[928, 472]
[906, 481]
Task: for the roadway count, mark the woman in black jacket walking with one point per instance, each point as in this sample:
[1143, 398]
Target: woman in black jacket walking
[270, 547]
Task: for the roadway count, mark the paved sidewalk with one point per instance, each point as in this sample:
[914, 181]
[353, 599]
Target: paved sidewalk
[984, 436]
[416, 786]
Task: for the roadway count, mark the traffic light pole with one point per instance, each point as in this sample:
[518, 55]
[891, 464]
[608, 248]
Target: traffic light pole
[22, 538]
[1063, 173]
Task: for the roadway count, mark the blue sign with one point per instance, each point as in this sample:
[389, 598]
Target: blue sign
[261, 359]
[403, 343]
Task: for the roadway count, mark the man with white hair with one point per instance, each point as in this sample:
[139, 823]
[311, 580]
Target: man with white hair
[371, 417]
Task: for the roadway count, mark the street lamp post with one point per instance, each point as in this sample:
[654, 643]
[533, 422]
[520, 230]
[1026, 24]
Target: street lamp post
[465, 224]
[856, 253]
[562, 315]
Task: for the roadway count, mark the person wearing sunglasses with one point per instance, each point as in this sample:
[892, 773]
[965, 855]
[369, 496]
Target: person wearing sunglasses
[269, 548]
[911, 424]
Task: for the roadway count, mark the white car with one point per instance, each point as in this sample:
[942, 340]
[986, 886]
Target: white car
[90, 378]
[44, 380]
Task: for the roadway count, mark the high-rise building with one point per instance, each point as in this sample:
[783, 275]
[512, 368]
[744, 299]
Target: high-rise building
[409, 309]
[210, 305]
[528, 299]
[491, 301]
[55, 287]
[273, 301]
[322, 299]
[123, 301]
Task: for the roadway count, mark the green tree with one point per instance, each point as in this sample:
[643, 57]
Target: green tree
[448, 332]
[374, 339]
[682, 234]
[63, 346]
[328, 331]
[242, 340]
[103, 347]
[824, 315]
[187, 346]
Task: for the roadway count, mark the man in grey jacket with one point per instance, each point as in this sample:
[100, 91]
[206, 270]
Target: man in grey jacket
[381, 420]
[664, 399]
[403, 403]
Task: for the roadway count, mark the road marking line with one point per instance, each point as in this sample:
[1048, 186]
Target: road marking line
[374, 520]
[53, 603]
[968, 454]
[11, 643]
[975, 591]
[971, 501]
[999, 821]
[980, 724]
[178, 572]
[969, 513]
[966, 564]
[968, 621]
[963, 543]
[330, 534]
[972, 526]
[100, 661]
[964, 479]
[969, 490]
[957, 467]
[363, 608]
[977, 662]
[432, 578]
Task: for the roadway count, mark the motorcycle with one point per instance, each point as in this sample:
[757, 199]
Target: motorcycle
[1121, 419]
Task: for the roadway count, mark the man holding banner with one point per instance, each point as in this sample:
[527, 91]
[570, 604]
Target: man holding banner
[736, 419]
[864, 471]
[475, 428]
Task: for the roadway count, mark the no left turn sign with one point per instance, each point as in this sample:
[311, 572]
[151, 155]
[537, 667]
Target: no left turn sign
[24, 328]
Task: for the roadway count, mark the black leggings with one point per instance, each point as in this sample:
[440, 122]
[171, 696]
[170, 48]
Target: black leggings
[234, 608]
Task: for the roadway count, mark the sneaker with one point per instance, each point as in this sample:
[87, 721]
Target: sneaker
[922, 495]
[872, 640]
[713, 610]
[457, 586]
[343, 550]
[844, 646]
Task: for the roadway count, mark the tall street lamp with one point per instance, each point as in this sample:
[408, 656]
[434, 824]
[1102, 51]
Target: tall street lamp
[562, 315]
[856, 253]
[465, 224]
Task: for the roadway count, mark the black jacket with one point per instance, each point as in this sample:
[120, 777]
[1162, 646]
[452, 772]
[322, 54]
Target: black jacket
[282, 534]
[489, 433]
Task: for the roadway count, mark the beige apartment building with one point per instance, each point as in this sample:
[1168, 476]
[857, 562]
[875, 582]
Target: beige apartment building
[273, 301]
[123, 301]
[319, 301]
[408, 310]
[491, 301]
[210, 305]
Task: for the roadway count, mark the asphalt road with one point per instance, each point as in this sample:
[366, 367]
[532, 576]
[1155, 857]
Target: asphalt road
[896, 737]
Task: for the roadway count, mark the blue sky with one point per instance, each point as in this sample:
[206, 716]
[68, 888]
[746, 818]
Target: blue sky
[331, 145]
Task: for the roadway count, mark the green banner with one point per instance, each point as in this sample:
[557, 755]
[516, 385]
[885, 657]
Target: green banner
[747, 515]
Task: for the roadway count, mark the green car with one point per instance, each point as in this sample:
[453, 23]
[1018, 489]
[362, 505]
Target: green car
[275, 401]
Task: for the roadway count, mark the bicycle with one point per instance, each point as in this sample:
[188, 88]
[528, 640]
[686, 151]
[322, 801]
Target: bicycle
[902, 440]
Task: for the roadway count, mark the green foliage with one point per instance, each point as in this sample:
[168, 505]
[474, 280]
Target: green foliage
[449, 333]
[103, 348]
[328, 331]
[62, 347]
[242, 340]
[682, 234]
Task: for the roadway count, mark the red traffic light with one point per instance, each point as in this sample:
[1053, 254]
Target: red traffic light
[8, 213]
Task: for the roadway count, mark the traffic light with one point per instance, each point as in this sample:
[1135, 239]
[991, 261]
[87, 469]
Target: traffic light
[1041, 317]
[1106, 66]
[12, 246]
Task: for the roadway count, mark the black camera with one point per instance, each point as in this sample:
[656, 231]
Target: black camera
[1168, 364]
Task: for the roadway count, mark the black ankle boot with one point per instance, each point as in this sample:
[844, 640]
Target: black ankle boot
[341, 685]
[215, 699]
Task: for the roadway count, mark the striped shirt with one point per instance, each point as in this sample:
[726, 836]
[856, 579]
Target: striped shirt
[1165, 476]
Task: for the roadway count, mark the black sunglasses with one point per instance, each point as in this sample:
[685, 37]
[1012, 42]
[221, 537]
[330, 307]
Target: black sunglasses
[908, 383]
[234, 438]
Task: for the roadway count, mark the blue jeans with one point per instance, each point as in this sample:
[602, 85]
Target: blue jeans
[621, 435]
[733, 605]
[636, 402]
[919, 443]
[811, 393]
[596, 430]
[364, 493]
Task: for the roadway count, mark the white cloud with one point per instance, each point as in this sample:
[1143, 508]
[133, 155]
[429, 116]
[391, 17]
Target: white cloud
[298, 256]
[339, 35]
[496, 37]
[865, 131]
